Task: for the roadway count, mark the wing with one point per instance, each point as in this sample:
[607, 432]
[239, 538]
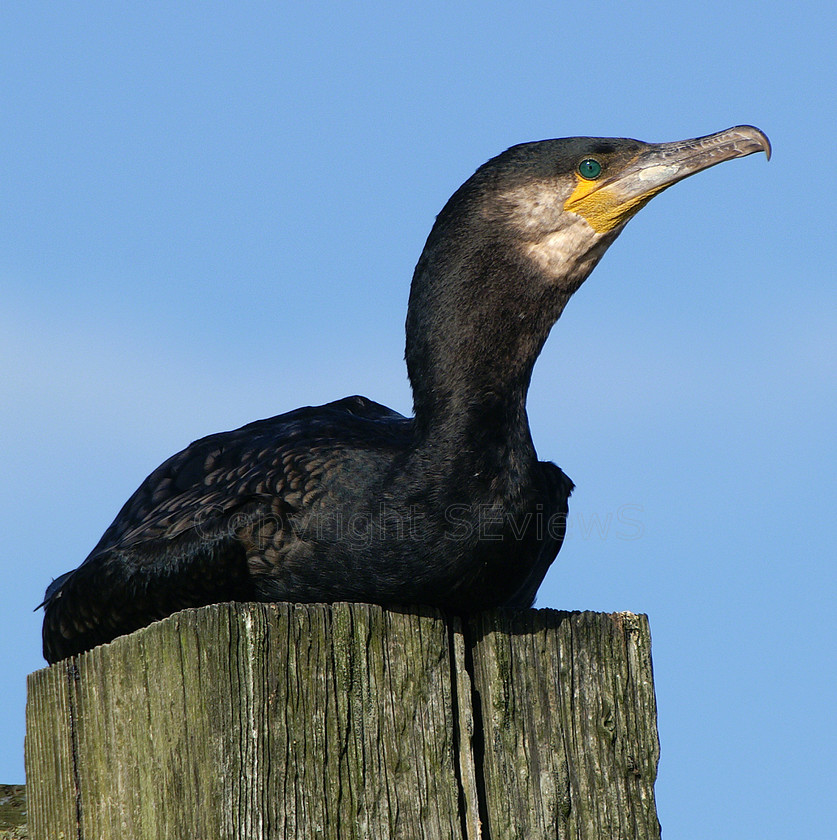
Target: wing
[188, 535]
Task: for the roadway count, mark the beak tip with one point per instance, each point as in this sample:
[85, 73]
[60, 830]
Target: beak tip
[766, 147]
[758, 138]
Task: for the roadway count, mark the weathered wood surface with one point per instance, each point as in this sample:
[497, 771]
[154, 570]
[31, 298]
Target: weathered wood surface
[349, 721]
[13, 812]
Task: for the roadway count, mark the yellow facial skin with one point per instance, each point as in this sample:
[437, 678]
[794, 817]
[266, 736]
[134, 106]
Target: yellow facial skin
[606, 206]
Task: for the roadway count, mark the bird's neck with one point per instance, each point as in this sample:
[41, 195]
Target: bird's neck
[485, 294]
[471, 346]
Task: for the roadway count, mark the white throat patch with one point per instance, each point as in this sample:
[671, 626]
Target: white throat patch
[571, 251]
[561, 243]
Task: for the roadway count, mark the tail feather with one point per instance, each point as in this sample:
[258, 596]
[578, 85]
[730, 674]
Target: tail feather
[119, 591]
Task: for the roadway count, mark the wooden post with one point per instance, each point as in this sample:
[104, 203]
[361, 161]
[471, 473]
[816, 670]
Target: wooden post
[13, 812]
[349, 721]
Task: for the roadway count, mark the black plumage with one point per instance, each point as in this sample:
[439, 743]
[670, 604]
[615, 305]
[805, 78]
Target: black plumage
[352, 501]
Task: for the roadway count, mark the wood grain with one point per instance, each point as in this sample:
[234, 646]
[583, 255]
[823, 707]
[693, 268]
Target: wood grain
[349, 721]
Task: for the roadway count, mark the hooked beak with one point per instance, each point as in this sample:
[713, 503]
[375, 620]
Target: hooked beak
[610, 202]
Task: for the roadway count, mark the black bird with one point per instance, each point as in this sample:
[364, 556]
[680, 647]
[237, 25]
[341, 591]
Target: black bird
[352, 501]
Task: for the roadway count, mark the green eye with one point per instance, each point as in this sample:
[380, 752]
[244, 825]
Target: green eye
[590, 169]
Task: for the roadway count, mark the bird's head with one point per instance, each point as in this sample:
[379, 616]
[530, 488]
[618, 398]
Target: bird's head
[520, 236]
[561, 202]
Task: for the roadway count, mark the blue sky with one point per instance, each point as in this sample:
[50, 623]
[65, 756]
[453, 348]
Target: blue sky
[210, 214]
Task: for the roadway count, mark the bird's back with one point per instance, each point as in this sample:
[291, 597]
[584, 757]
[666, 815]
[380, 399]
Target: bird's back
[227, 506]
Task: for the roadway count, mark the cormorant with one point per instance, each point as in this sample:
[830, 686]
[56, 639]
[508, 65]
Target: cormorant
[351, 501]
